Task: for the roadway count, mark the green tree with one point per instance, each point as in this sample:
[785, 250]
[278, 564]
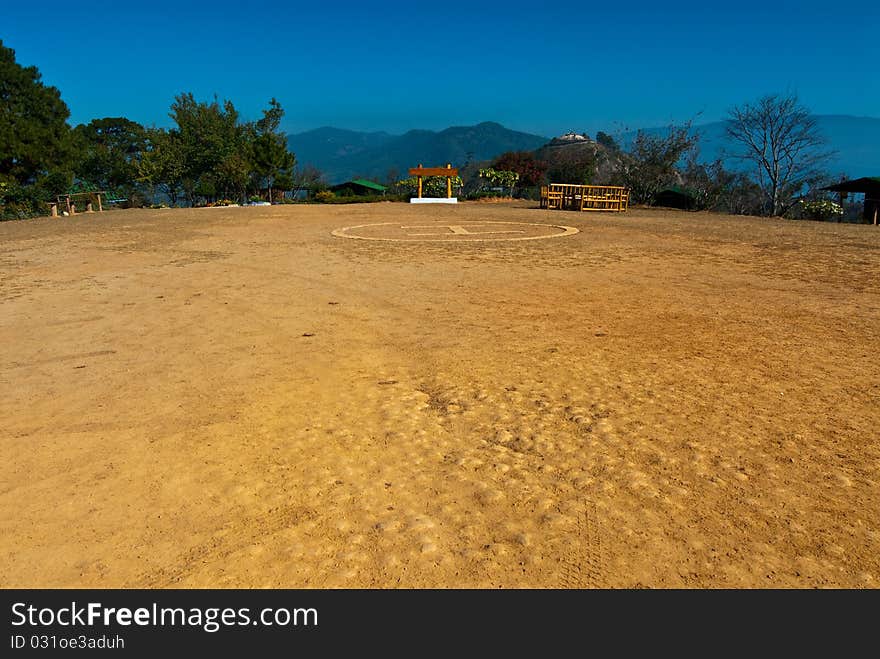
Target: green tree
[531, 170]
[34, 135]
[207, 134]
[500, 178]
[273, 161]
[231, 176]
[109, 151]
[607, 141]
[578, 169]
[161, 166]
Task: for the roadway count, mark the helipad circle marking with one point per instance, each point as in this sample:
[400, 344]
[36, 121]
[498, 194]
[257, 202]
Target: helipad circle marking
[455, 230]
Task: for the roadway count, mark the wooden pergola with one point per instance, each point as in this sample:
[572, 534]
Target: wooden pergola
[869, 186]
[449, 172]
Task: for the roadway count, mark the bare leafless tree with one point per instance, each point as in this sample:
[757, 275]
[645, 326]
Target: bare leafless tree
[307, 177]
[781, 139]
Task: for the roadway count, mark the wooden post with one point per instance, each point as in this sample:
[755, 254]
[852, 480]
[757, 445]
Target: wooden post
[449, 182]
[420, 182]
[100, 208]
[53, 208]
[89, 208]
[67, 199]
[73, 208]
[876, 208]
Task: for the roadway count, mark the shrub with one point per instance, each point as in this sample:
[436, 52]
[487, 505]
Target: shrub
[477, 195]
[432, 186]
[18, 202]
[500, 178]
[821, 209]
[324, 196]
[360, 199]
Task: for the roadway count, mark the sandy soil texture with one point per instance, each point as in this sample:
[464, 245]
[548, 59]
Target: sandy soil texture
[239, 398]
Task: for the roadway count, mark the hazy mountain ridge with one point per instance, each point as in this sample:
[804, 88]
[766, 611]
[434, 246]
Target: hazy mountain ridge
[344, 154]
[855, 141]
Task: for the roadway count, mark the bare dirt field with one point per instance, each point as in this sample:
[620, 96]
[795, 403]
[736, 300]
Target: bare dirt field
[240, 398]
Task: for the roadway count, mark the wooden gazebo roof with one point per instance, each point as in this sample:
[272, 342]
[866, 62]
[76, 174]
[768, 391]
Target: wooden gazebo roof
[870, 185]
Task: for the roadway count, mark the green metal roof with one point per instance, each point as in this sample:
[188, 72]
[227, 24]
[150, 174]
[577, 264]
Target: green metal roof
[369, 184]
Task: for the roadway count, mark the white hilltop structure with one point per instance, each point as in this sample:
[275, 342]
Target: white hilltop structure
[571, 138]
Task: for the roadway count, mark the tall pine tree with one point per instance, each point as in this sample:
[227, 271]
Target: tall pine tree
[34, 135]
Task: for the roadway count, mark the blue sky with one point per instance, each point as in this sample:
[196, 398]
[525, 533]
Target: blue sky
[395, 66]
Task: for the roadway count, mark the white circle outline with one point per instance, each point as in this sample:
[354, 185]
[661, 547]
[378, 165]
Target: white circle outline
[567, 231]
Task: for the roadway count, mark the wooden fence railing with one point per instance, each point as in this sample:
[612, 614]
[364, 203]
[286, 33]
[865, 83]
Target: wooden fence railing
[569, 196]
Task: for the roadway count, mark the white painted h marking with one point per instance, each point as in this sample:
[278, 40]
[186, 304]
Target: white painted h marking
[454, 229]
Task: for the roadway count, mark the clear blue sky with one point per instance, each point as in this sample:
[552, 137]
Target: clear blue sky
[394, 66]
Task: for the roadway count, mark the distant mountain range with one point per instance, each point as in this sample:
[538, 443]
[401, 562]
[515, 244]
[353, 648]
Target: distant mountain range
[346, 154]
[856, 141]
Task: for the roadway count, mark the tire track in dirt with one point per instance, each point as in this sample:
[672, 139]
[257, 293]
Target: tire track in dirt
[584, 564]
[229, 540]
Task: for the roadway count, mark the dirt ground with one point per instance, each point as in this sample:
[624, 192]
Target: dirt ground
[239, 398]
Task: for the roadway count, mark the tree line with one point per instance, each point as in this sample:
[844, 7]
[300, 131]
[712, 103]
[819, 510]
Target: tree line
[779, 158]
[211, 155]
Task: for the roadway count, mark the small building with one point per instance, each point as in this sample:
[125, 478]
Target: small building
[570, 138]
[360, 187]
[868, 186]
